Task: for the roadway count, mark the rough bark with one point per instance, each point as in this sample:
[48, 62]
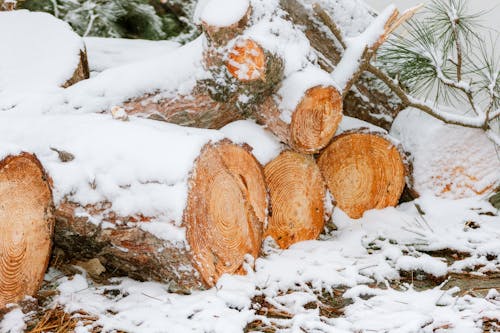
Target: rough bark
[196, 110]
[367, 99]
[297, 198]
[223, 218]
[26, 226]
[363, 170]
[81, 72]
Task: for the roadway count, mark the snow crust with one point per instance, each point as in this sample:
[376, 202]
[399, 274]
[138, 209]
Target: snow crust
[105, 53]
[265, 146]
[447, 160]
[373, 249]
[222, 13]
[139, 166]
[38, 51]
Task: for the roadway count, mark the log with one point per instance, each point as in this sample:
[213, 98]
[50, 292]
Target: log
[308, 111]
[26, 226]
[448, 161]
[363, 170]
[297, 198]
[61, 58]
[367, 99]
[195, 110]
[148, 199]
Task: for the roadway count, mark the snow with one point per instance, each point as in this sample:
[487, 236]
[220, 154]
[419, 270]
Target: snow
[13, 322]
[38, 51]
[212, 14]
[172, 73]
[448, 160]
[139, 166]
[362, 256]
[352, 57]
[265, 146]
[105, 53]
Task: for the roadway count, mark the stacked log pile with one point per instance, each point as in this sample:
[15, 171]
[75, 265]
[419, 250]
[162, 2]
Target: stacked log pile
[195, 209]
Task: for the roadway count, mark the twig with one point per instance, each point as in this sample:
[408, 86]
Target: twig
[327, 20]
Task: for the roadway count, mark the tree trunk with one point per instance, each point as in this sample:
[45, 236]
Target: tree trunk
[363, 170]
[447, 160]
[223, 220]
[297, 199]
[26, 226]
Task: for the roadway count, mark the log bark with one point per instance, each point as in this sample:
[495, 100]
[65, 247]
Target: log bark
[449, 161]
[297, 198]
[223, 219]
[82, 71]
[26, 226]
[363, 170]
[196, 110]
[367, 99]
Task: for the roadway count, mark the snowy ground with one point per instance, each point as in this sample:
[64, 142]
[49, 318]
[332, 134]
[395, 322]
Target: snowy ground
[363, 265]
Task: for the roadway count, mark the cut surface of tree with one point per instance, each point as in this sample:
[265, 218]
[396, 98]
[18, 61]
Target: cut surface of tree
[225, 211]
[363, 171]
[448, 160]
[26, 227]
[297, 195]
[141, 215]
[312, 122]
[60, 58]
[247, 61]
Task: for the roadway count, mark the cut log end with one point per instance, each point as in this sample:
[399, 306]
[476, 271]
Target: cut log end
[297, 194]
[247, 61]
[316, 119]
[363, 171]
[226, 210]
[26, 227]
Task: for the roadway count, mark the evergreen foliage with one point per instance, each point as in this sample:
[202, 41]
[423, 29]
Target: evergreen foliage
[115, 18]
[443, 56]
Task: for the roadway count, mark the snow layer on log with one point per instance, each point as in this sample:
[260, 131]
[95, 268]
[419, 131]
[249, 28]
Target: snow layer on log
[104, 53]
[272, 31]
[295, 86]
[172, 74]
[222, 13]
[265, 146]
[141, 166]
[38, 51]
[448, 160]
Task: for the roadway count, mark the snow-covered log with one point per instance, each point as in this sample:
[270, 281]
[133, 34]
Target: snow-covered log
[52, 55]
[26, 226]
[297, 199]
[363, 168]
[448, 160]
[149, 199]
